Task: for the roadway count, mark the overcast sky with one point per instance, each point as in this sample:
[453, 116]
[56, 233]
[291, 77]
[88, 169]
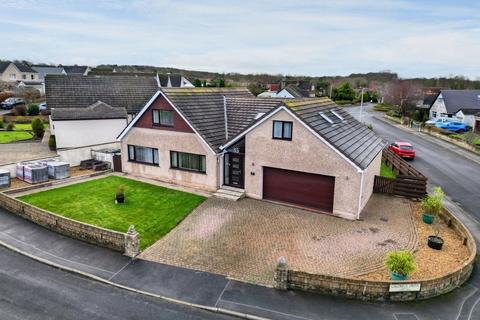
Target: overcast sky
[412, 38]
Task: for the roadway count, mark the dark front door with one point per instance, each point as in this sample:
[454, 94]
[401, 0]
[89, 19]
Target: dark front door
[235, 170]
[117, 163]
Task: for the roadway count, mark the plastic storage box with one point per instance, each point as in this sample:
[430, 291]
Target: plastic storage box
[4, 178]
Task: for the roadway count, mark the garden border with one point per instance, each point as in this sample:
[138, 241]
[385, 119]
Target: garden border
[371, 290]
[126, 243]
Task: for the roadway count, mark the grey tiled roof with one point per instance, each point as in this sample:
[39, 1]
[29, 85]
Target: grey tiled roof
[44, 70]
[204, 109]
[358, 143]
[20, 66]
[241, 112]
[24, 68]
[175, 80]
[461, 99]
[76, 91]
[75, 69]
[296, 92]
[98, 110]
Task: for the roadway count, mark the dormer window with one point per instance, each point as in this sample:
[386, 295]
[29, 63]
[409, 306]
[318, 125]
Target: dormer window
[282, 130]
[162, 118]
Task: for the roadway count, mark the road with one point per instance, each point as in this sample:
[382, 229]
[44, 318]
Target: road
[32, 290]
[457, 175]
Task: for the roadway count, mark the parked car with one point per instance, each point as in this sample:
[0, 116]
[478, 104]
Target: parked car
[10, 103]
[403, 149]
[42, 106]
[456, 126]
[439, 120]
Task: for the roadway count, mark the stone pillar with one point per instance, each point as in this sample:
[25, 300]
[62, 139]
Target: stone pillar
[281, 274]
[132, 242]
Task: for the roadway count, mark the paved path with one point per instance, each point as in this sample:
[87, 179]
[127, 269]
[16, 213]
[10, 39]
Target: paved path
[19, 151]
[245, 239]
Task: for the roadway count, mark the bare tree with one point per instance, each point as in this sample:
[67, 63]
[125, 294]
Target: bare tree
[403, 93]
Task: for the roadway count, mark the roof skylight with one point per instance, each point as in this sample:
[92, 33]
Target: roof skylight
[324, 116]
[337, 115]
[259, 115]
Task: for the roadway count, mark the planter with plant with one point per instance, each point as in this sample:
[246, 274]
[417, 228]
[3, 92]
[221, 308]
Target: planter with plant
[120, 194]
[400, 264]
[432, 204]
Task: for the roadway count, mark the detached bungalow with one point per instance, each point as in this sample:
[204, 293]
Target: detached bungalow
[461, 104]
[303, 152]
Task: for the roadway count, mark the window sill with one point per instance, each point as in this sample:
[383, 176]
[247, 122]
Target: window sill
[157, 125]
[145, 163]
[188, 170]
[285, 139]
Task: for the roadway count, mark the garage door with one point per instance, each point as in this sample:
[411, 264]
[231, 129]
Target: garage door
[299, 188]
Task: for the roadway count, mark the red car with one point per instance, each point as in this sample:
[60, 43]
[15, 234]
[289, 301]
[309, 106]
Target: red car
[403, 149]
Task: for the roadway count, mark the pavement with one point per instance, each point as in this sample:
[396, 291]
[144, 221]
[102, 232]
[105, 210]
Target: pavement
[35, 291]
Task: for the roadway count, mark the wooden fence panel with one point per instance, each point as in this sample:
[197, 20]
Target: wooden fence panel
[409, 182]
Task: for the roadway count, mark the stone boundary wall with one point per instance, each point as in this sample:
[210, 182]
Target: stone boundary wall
[379, 290]
[127, 243]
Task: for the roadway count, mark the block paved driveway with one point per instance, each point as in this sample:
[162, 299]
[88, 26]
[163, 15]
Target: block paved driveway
[243, 240]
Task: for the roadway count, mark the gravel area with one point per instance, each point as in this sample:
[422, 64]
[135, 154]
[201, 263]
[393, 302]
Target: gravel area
[431, 263]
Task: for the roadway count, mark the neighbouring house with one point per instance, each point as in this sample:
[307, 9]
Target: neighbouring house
[76, 70]
[37, 85]
[67, 93]
[461, 104]
[304, 152]
[45, 70]
[16, 71]
[291, 91]
[77, 130]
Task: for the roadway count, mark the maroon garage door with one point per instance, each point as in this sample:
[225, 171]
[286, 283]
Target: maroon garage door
[300, 188]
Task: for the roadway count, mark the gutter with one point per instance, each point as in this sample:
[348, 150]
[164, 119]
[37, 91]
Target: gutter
[362, 174]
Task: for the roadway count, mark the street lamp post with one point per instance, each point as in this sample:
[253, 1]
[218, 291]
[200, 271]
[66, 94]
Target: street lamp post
[361, 105]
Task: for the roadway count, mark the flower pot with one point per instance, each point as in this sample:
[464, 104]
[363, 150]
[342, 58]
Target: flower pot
[435, 242]
[120, 198]
[397, 276]
[428, 218]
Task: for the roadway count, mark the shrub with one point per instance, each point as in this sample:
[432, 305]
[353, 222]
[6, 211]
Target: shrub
[470, 137]
[433, 203]
[383, 107]
[33, 109]
[20, 110]
[22, 119]
[37, 127]
[400, 262]
[418, 116]
[52, 143]
[370, 126]
[1, 124]
[120, 190]
[394, 113]
[10, 126]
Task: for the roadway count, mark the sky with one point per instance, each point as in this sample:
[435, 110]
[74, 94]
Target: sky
[298, 37]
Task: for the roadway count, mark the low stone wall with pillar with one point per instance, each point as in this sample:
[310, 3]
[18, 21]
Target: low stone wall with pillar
[409, 290]
[126, 243]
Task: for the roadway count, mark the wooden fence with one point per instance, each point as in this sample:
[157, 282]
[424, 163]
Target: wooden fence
[409, 182]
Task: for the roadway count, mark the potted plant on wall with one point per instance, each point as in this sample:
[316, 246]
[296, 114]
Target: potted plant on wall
[400, 263]
[432, 204]
[120, 194]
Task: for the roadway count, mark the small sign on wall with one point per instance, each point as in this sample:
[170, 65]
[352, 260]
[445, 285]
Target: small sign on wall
[404, 287]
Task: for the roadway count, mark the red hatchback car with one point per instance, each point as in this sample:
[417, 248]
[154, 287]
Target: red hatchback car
[403, 149]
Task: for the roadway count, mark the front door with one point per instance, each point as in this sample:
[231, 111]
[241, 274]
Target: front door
[235, 170]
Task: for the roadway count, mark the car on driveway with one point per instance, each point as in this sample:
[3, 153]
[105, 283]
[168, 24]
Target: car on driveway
[42, 106]
[11, 103]
[456, 126]
[434, 122]
[403, 149]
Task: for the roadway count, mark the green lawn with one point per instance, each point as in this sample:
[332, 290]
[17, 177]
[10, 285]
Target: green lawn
[386, 172]
[12, 136]
[26, 126]
[152, 209]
